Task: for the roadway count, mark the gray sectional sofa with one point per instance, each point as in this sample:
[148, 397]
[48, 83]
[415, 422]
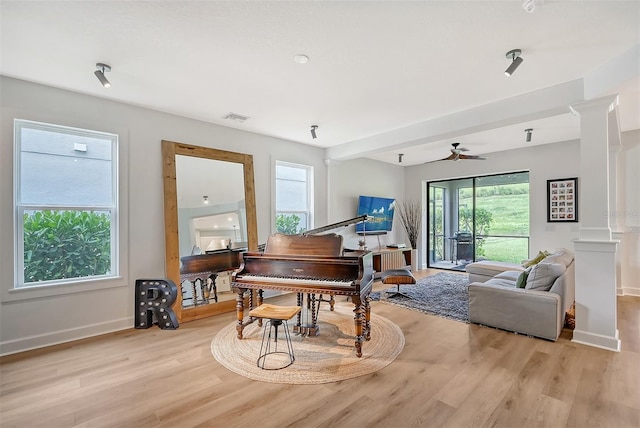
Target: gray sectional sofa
[537, 308]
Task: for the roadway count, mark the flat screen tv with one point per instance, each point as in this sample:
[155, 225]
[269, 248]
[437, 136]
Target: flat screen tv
[380, 213]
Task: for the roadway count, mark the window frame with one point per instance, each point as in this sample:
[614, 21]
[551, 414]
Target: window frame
[309, 171]
[114, 208]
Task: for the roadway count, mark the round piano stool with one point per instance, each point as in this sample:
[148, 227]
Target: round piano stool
[397, 277]
[276, 316]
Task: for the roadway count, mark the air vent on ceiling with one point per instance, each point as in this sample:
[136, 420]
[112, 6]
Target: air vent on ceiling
[236, 117]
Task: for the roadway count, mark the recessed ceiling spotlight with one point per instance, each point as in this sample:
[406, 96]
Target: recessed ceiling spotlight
[301, 59]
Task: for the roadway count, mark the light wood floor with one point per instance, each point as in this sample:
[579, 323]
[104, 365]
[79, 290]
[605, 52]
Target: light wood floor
[449, 374]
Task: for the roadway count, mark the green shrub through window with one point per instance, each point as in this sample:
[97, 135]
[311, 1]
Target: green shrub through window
[66, 244]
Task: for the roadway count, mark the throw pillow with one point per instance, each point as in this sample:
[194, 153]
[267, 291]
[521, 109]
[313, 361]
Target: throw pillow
[521, 282]
[537, 259]
[543, 275]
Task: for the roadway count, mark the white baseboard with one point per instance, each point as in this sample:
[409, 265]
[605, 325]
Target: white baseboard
[630, 291]
[63, 336]
[597, 340]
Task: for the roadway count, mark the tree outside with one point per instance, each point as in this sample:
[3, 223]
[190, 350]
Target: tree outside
[289, 224]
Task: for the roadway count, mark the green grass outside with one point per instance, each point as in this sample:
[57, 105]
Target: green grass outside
[510, 217]
[510, 213]
[512, 250]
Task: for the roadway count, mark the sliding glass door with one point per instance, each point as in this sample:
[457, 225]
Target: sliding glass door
[478, 218]
[502, 217]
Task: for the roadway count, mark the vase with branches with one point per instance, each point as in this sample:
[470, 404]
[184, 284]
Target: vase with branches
[410, 214]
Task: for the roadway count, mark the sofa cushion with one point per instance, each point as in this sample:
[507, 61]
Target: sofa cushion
[537, 259]
[543, 275]
[491, 268]
[507, 283]
[562, 256]
[521, 282]
[509, 275]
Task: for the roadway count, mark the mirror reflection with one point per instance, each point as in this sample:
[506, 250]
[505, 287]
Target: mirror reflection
[212, 227]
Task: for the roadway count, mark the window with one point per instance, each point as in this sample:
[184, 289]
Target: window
[294, 196]
[436, 223]
[66, 197]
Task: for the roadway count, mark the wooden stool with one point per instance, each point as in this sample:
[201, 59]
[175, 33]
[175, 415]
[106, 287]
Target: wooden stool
[276, 316]
[397, 276]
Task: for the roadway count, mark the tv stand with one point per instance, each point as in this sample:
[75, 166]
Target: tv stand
[390, 258]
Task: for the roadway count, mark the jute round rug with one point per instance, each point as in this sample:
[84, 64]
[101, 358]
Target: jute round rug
[328, 357]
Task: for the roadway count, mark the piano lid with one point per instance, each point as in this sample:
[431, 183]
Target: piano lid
[311, 245]
[300, 246]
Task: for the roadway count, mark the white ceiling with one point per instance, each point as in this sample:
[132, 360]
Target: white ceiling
[376, 68]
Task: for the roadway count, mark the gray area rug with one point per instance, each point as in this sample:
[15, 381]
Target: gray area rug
[443, 294]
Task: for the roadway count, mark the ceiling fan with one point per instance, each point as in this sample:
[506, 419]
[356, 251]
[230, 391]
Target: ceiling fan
[456, 154]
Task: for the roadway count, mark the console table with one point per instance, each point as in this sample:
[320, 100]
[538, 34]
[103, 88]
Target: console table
[390, 258]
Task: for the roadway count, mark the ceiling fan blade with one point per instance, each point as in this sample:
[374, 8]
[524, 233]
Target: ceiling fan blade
[450, 157]
[472, 157]
[456, 154]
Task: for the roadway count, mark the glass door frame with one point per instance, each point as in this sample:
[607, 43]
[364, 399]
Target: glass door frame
[452, 204]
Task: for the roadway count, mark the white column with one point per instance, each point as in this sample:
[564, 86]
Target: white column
[616, 202]
[595, 251]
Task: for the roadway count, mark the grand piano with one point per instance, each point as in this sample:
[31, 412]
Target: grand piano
[311, 265]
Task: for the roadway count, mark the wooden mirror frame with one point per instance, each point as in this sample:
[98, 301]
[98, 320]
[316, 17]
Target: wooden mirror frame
[172, 267]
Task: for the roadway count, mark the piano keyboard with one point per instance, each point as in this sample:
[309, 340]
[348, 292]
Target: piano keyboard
[298, 281]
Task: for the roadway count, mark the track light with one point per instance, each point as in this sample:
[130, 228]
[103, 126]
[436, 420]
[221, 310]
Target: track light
[205, 199]
[313, 131]
[101, 69]
[400, 157]
[528, 131]
[516, 60]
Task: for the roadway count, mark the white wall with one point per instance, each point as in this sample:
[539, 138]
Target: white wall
[352, 178]
[37, 318]
[543, 162]
[551, 161]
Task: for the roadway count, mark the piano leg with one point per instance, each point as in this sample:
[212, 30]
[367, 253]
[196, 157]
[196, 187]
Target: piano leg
[260, 301]
[313, 330]
[358, 318]
[240, 311]
[298, 327]
[212, 286]
[367, 317]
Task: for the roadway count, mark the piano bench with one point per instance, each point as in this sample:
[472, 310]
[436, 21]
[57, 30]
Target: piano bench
[397, 277]
[275, 316]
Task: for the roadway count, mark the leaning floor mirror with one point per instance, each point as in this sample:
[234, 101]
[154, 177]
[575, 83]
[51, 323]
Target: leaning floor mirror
[210, 220]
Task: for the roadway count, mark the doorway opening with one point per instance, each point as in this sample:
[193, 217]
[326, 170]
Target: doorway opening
[478, 218]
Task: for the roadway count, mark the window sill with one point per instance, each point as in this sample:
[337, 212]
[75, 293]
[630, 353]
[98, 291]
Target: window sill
[60, 289]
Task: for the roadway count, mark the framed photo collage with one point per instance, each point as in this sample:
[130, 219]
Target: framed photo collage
[562, 200]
